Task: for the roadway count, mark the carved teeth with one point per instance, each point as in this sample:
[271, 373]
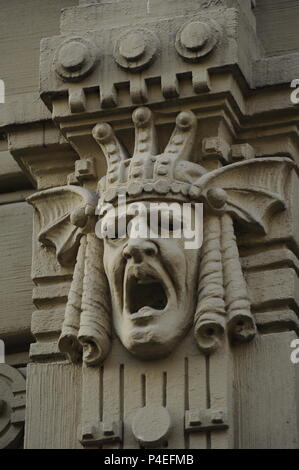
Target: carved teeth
[144, 310]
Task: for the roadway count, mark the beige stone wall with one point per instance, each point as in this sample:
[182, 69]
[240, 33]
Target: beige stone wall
[15, 279]
[276, 25]
[23, 25]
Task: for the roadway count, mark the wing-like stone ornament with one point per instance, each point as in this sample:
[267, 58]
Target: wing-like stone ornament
[249, 192]
[67, 220]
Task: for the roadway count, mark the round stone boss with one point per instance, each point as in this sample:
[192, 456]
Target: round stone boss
[135, 49]
[217, 197]
[197, 38]
[75, 59]
[151, 425]
[12, 393]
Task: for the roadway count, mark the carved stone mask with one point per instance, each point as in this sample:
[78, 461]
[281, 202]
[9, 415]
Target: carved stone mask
[149, 289]
[153, 284]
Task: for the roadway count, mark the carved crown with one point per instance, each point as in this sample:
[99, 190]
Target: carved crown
[148, 174]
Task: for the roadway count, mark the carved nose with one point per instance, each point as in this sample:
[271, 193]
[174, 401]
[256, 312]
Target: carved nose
[139, 249]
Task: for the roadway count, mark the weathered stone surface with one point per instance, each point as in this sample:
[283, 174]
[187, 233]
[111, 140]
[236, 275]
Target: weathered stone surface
[54, 390]
[11, 176]
[265, 396]
[15, 281]
[273, 16]
[20, 43]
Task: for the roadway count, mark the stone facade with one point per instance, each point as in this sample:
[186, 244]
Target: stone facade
[134, 342]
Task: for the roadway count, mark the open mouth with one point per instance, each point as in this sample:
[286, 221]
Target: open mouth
[145, 293]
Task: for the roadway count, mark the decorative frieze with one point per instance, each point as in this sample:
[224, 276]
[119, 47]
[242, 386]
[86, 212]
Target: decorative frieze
[161, 49]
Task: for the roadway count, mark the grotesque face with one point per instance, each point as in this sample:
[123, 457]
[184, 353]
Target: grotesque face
[153, 284]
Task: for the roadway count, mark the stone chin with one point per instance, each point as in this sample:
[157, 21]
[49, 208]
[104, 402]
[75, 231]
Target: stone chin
[152, 341]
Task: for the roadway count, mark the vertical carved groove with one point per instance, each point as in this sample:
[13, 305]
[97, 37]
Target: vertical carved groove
[208, 382]
[164, 389]
[121, 396]
[186, 398]
[208, 392]
[143, 389]
[95, 324]
[121, 390]
[210, 313]
[209, 440]
[68, 341]
[240, 323]
[101, 392]
[186, 383]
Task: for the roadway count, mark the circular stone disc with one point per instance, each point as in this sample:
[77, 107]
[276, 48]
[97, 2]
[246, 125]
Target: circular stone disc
[133, 46]
[72, 56]
[195, 35]
[151, 425]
